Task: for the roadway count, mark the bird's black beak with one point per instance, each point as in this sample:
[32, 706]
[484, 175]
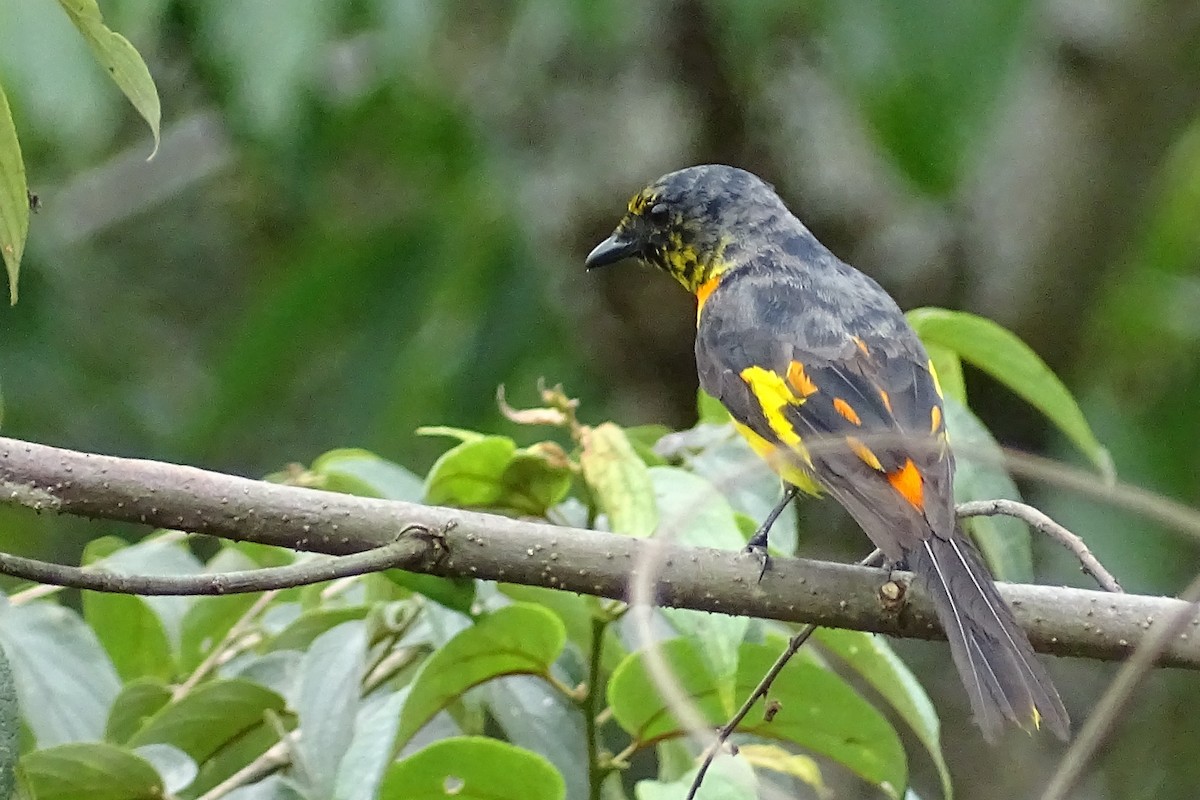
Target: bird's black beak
[610, 251]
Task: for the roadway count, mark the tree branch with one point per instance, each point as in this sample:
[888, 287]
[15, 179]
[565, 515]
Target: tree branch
[1059, 620]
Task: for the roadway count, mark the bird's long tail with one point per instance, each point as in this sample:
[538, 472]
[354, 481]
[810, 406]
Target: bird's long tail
[992, 653]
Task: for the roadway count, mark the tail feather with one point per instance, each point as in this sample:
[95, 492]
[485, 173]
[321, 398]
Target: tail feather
[994, 658]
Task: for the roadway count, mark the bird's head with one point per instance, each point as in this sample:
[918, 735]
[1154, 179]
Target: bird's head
[688, 222]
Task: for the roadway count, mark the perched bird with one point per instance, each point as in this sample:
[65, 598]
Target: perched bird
[827, 381]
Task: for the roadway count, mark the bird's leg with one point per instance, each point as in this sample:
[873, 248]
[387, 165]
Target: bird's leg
[758, 542]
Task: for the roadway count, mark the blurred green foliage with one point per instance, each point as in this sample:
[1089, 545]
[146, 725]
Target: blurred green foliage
[366, 214]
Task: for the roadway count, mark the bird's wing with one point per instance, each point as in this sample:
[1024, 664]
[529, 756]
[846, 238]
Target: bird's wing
[841, 385]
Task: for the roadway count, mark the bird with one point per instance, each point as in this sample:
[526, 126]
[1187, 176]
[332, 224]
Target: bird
[829, 384]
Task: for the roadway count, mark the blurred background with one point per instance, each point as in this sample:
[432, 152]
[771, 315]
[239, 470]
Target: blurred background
[367, 214]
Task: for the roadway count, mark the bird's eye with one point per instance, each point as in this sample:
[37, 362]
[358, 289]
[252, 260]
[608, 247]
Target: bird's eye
[659, 214]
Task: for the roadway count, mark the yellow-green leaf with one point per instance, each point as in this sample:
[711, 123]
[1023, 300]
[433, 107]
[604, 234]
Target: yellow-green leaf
[619, 479]
[1006, 358]
[120, 60]
[14, 197]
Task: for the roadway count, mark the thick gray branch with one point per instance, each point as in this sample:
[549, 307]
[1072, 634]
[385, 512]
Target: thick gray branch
[1063, 621]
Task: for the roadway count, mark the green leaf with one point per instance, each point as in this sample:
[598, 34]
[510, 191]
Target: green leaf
[619, 479]
[818, 710]
[14, 198]
[1005, 542]
[709, 409]
[119, 58]
[10, 726]
[491, 472]
[311, 624]
[361, 472]
[131, 633]
[213, 713]
[326, 703]
[515, 640]
[207, 622]
[455, 593]
[1006, 358]
[174, 766]
[95, 770]
[138, 701]
[729, 778]
[873, 659]
[371, 749]
[948, 368]
[472, 768]
[462, 434]
[64, 679]
[642, 439]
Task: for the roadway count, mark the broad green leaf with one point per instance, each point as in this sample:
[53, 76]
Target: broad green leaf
[514, 640]
[326, 703]
[979, 475]
[642, 439]
[96, 771]
[492, 473]
[710, 410]
[576, 612]
[174, 766]
[818, 710]
[1006, 358]
[872, 658]
[537, 717]
[119, 59]
[311, 624]
[14, 198]
[694, 513]
[131, 633]
[10, 726]
[213, 713]
[371, 749]
[237, 753]
[455, 593]
[947, 366]
[138, 701]
[361, 472]
[65, 682]
[206, 623]
[619, 480]
[777, 759]
[729, 778]
[472, 768]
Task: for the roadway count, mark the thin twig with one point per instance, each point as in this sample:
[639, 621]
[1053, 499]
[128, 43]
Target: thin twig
[1112, 702]
[1043, 523]
[213, 658]
[725, 731]
[254, 580]
[274, 758]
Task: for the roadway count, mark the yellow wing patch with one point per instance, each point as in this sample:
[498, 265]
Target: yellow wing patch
[773, 396]
[937, 385]
[935, 419]
[846, 410]
[864, 453]
[782, 461]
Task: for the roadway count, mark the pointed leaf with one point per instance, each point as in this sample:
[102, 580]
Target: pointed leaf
[490, 472]
[473, 768]
[138, 701]
[14, 198]
[327, 703]
[872, 658]
[818, 710]
[64, 679]
[206, 719]
[308, 626]
[619, 480]
[95, 770]
[1006, 358]
[371, 748]
[10, 726]
[361, 472]
[174, 766]
[1004, 541]
[119, 59]
[517, 639]
[131, 633]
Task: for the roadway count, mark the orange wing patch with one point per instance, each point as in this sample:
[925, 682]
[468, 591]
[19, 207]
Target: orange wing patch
[844, 408]
[887, 401]
[935, 419]
[908, 482]
[799, 380]
[861, 345]
[702, 293]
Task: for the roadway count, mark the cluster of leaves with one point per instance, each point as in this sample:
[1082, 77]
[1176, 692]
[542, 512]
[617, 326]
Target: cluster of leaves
[397, 685]
[126, 68]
